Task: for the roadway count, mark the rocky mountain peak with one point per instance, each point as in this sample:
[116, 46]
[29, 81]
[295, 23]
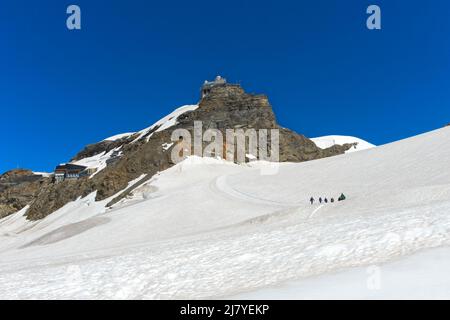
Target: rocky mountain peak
[18, 188]
[228, 106]
[223, 106]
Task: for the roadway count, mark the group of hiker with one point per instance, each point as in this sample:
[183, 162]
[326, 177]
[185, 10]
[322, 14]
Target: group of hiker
[325, 200]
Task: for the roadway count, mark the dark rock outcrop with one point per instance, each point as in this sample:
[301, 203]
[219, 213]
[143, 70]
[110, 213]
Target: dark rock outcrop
[18, 188]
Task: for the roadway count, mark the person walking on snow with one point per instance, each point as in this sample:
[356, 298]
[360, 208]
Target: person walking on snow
[320, 200]
[326, 200]
[332, 200]
[311, 200]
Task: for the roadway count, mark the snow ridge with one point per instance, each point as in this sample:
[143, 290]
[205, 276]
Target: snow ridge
[329, 141]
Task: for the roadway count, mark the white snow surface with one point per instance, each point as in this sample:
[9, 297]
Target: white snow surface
[421, 276]
[166, 122]
[208, 228]
[163, 124]
[167, 146]
[44, 174]
[119, 136]
[329, 141]
[99, 161]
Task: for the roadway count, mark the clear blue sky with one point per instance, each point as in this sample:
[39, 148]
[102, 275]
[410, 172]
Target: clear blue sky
[135, 61]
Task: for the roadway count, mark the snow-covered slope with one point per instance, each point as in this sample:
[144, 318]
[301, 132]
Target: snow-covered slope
[329, 141]
[120, 136]
[421, 276]
[207, 228]
[98, 161]
[162, 124]
[166, 122]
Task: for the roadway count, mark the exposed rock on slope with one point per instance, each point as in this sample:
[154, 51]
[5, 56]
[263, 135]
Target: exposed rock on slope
[100, 147]
[229, 107]
[225, 107]
[18, 188]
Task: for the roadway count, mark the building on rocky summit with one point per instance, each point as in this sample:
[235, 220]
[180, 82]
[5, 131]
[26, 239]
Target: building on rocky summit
[208, 85]
[69, 171]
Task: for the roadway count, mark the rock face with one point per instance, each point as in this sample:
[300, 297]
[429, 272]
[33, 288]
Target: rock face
[18, 188]
[229, 107]
[225, 107]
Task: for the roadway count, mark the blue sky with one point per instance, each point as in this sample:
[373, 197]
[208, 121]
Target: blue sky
[135, 61]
